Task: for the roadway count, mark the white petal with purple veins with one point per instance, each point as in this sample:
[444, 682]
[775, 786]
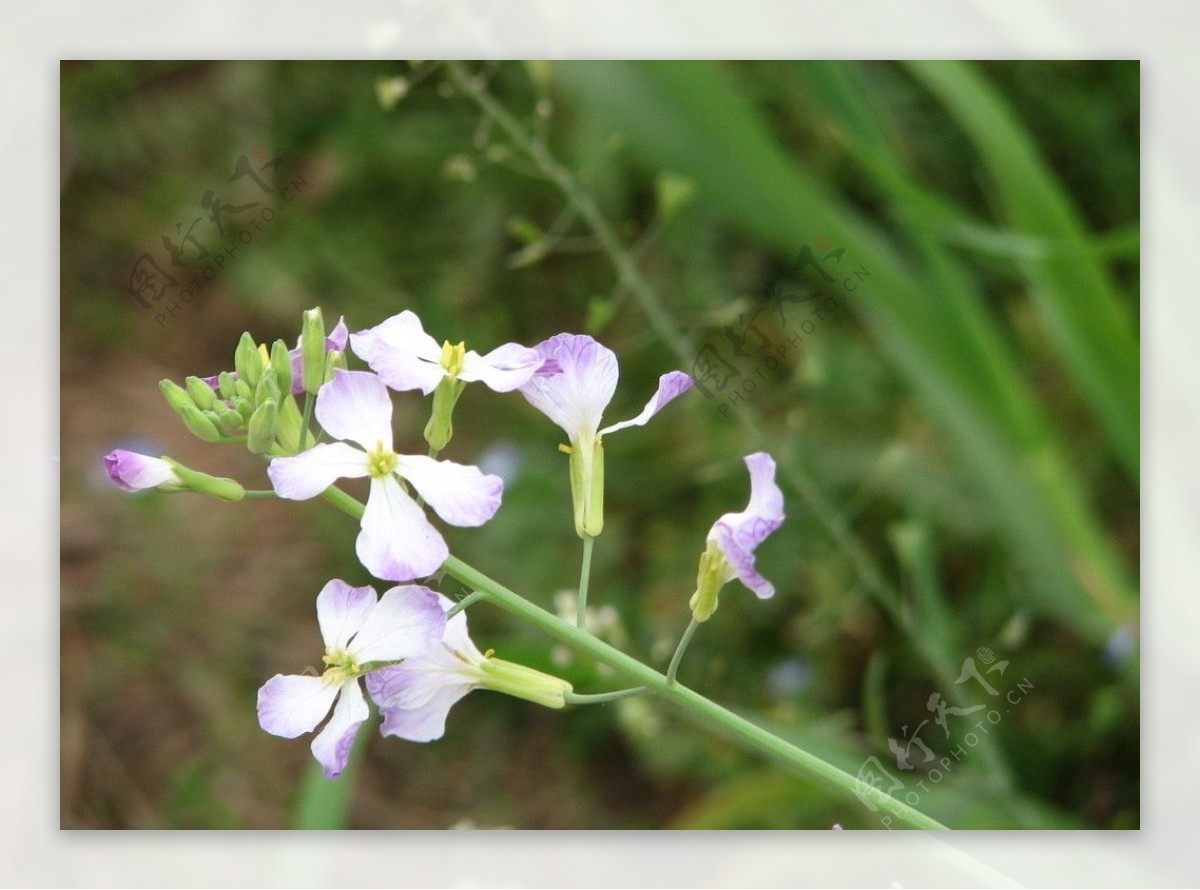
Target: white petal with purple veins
[309, 473]
[503, 369]
[332, 745]
[401, 353]
[406, 622]
[290, 705]
[461, 495]
[576, 397]
[355, 405]
[676, 383]
[397, 542]
[341, 611]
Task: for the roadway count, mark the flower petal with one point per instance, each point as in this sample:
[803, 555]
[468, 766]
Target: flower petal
[676, 383]
[341, 611]
[741, 560]
[405, 623]
[332, 745]
[290, 704]
[415, 697]
[421, 723]
[355, 405]
[309, 473]
[462, 495]
[336, 339]
[401, 353]
[397, 542]
[134, 472]
[576, 397]
[503, 369]
[739, 534]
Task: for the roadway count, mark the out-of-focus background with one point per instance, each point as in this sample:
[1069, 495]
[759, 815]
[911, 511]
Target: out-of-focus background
[916, 286]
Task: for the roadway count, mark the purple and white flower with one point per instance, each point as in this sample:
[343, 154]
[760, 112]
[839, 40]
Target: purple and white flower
[358, 629]
[734, 538]
[397, 541]
[415, 697]
[406, 358]
[575, 399]
[136, 472]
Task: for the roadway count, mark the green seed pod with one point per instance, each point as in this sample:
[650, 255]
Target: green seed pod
[312, 350]
[260, 432]
[202, 394]
[248, 360]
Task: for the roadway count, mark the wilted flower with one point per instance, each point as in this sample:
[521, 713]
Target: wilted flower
[575, 399]
[397, 542]
[734, 538]
[358, 629]
[415, 696]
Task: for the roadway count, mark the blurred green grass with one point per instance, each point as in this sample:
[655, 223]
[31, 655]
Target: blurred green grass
[958, 441]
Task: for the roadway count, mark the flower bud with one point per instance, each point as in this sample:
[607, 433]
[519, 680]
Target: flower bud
[287, 431]
[230, 422]
[226, 383]
[243, 390]
[267, 389]
[247, 360]
[281, 364]
[244, 407]
[312, 350]
[217, 486]
[201, 393]
[176, 396]
[260, 432]
[199, 425]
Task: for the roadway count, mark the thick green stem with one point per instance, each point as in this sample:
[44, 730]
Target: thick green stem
[699, 709]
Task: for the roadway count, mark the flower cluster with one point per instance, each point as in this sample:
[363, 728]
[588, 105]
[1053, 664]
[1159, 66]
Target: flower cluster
[410, 646]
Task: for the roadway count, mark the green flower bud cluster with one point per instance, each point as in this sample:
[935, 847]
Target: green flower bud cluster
[253, 404]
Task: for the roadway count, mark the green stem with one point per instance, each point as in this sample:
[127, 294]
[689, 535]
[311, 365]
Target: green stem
[699, 709]
[265, 493]
[585, 574]
[464, 603]
[679, 650]
[306, 422]
[597, 698]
